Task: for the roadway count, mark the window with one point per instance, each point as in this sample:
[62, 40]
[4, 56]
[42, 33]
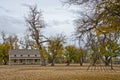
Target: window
[35, 55]
[14, 61]
[14, 55]
[35, 60]
[21, 61]
[21, 55]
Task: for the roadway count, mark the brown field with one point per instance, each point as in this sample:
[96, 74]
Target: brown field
[59, 72]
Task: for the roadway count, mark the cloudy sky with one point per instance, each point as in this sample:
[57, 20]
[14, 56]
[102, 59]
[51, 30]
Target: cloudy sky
[59, 18]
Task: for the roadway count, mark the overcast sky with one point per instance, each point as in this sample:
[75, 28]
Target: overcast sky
[58, 18]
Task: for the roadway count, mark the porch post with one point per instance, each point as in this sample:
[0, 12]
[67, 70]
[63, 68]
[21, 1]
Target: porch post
[9, 60]
[18, 61]
[25, 61]
[33, 61]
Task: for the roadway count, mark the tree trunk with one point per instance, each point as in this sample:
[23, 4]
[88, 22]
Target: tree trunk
[53, 62]
[81, 62]
[43, 62]
[4, 62]
[107, 61]
[111, 64]
[68, 62]
[111, 51]
[111, 59]
[94, 62]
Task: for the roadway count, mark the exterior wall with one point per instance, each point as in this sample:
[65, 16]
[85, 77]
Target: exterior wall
[24, 61]
[22, 57]
[25, 55]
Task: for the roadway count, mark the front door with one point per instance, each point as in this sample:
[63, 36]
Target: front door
[28, 61]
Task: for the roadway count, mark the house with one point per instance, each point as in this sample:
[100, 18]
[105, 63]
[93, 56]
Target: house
[117, 59]
[24, 56]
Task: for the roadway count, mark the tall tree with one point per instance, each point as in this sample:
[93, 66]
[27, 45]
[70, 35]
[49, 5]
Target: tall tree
[4, 49]
[103, 23]
[35, 25]
[27, 43]
[70, 53]
[12, 40]
[82, 54]
[55, 47]
[45, 54]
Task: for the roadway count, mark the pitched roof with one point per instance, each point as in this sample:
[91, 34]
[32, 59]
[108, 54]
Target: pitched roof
[24, 51]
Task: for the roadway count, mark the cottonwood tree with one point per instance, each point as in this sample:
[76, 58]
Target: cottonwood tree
[70, 53]
[109, 26]
[104, 22]
[105, 51]
[75, 54]
[9, 42]
[55, 47]
[35, 25]
[4, 49]
[45, 54]
[82, 54]
[12, 40]
[27, 43]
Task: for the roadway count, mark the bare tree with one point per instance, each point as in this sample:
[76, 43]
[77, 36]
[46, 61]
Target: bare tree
[99, 24]
[28, 43]
[35, 25]
[3, 37]
[10, 39]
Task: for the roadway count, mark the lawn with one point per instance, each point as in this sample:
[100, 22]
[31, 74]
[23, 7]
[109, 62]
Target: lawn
[59, 72]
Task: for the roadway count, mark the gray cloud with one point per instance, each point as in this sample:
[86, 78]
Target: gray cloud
[56, 22]
[4, 9]
[11, 24]
[12, 16]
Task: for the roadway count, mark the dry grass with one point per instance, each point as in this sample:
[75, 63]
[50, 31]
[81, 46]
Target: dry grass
[59, 72]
